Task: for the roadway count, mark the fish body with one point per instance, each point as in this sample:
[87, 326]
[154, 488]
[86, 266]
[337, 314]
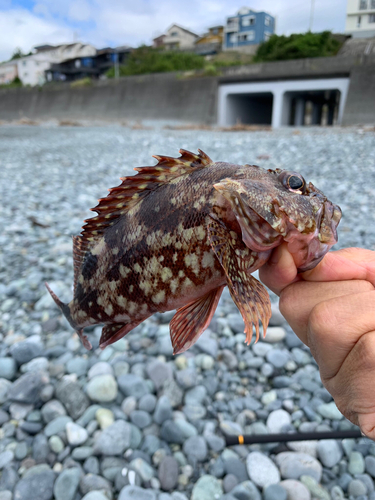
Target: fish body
[174, 235]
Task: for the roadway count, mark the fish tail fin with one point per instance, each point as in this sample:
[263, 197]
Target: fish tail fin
[65, 309]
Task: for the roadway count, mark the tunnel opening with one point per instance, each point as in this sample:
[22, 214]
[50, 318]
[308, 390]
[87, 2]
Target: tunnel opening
[250, 109]
[315, 107]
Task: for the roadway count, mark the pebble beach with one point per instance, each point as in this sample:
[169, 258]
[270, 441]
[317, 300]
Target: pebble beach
[132, 421]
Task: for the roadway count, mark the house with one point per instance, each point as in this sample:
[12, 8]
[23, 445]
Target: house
[360, 18]
[246, 30]
[178, 38]
[158, 41]
[8, 72]
[211, 42]
[66, 51]
[89, 66]
[31, 69]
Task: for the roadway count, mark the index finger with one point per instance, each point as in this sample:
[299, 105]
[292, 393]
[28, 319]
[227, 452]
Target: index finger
[347, 264]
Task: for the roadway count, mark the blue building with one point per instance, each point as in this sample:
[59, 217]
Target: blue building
[247, 28]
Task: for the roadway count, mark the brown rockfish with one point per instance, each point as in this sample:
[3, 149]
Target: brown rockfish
[175, 234]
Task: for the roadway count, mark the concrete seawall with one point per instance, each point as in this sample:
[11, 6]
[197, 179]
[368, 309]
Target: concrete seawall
[162, 96]
[170, 96]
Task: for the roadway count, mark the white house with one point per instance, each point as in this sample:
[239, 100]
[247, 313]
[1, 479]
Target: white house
[360, 18]
[179, 38]
[8, 72]
[31, 69]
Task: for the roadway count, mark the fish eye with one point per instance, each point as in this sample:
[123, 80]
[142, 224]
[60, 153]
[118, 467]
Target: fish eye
[293, 181]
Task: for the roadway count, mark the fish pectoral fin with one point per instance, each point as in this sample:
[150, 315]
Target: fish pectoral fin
[190, 321]
[248, 294]
[115, 331]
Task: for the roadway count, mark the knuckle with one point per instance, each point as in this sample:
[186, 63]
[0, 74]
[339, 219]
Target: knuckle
[288, 300]
[320, 320]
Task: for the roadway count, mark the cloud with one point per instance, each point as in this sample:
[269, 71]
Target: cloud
[23, 29]
[126, 22]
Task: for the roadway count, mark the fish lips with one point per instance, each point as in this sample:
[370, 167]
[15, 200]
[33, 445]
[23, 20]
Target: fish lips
[266, 217]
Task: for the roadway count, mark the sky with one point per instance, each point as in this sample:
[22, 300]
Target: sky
[103, 23]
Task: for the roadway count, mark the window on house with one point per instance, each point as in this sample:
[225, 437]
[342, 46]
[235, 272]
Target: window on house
[359, 21]
[267, 21]
[362, 4]
[232, 22]
[267, 36]
[373, 4]
[248, 21]
[246, 37]
[174, 33]
[215, 31]
[371, 18]
[233, 38]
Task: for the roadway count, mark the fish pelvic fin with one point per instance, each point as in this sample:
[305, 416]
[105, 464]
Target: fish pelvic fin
[64, 308]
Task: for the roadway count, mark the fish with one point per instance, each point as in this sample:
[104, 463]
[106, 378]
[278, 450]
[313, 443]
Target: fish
[172, 236]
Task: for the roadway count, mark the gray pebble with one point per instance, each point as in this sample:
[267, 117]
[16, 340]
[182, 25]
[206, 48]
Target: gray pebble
[114, 440]
[36, 485]
[66, 484]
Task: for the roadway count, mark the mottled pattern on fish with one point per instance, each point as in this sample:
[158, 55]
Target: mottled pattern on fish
[172, 236]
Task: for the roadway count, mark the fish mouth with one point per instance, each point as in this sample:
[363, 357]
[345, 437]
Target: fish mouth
[310, 230]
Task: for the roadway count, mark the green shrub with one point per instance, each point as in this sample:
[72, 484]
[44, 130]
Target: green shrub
[298, 46]
[149, 60]
[83, 82]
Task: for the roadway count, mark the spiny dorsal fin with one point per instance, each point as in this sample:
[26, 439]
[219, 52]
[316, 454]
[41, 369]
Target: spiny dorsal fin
[124, 197]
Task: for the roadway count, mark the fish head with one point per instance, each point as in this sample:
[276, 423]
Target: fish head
[278, 205]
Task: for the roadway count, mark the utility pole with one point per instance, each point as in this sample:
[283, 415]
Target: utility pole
[311, 14]
[117, 69]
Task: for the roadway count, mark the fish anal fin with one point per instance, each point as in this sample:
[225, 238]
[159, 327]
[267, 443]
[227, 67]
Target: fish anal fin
[191, 321]
[115, 331]
[134, 188]
[248, 294]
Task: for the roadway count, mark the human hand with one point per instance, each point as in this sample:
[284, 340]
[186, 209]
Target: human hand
[331, 309]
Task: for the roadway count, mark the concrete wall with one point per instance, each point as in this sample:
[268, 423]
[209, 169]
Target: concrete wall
[163, 96]
[192, 100]
[360, 103]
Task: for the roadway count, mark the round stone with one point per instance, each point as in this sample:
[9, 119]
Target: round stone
[278, 357]
[195, 448]
[100, 368]
[356, 463]
[75, 434]
[168, 473]
[140, 418]
[274, 334]
[207, 488]
[115, 439]
[277, 419]
[262, 471]
[102, 388]
[8, 368]
[56, 444]
[357, 488]
[293, 465]
[329, 452]
[36, 485]
[104, 417]
[66, 484]
[275, 492]
[295, 490]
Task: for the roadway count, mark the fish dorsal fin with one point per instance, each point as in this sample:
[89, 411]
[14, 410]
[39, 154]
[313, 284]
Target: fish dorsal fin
[129, 193]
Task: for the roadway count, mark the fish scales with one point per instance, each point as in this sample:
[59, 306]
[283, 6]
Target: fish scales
[172, 236]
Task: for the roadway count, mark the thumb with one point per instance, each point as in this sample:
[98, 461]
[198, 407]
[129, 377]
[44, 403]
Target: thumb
[280, 270]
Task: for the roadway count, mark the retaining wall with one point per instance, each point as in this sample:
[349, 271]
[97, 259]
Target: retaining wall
[162, 96]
